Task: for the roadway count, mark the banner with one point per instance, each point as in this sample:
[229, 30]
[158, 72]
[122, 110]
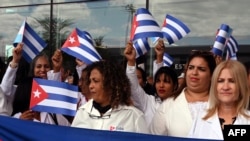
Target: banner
[12, 129]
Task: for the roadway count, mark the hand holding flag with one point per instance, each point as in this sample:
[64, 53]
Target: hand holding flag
[33, 44]
[144, 25]
[221, 39]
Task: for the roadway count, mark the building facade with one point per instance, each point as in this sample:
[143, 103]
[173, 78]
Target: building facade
[109, 21]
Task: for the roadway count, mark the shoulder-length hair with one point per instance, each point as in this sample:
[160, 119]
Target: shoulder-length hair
[239, 75]
[33, 63]
[115, 82]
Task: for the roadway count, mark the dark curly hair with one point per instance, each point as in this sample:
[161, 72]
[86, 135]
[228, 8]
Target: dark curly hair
[115, 81]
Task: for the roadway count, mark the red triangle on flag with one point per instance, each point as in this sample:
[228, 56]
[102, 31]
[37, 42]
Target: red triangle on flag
[133, 28]
[37, 94]
[72, 40]
[164, 23]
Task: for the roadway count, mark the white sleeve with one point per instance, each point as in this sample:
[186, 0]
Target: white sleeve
[157, 126]
[156, 67]
[139, 96]
[7, 84]
[80, 68]
[54, 75]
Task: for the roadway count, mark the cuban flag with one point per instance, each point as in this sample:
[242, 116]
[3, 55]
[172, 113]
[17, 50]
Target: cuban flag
[80, 45]
[53, 97]
[144, 25]
[173, 29]
[167, 60]
[221, 39]
[141, 46]
[232, 48]
[33, 44]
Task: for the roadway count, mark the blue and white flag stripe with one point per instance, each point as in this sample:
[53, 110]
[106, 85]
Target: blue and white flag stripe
[86, 51]
[174, 29]
[167, 60]
[221, 39]
[232, 45]
[62, 97]
[33, 44]
[147, 26]
[141, 46]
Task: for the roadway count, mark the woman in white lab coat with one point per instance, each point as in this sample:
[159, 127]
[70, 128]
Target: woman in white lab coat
[228, 102]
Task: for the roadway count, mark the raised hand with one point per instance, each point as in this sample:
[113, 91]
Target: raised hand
[17, 55]
[57, 59]
[130, 54]
[159, 51]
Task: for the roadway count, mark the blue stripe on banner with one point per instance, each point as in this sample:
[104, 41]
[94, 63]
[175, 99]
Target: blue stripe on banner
[167, 63]
[177, 32]
[85, 35]
[221, 39]
[225, 27]
[145, 41]
[56, 84]
[147, 22]
[147, 34]
[27, 57]
[142, 11]
[34, 131]
[57, 110]
[138, 48]
[77, 55]
[184, 27]
[30, 46]
[35, 35]
[217, 51]
[54, 96]
[91, 52]
[168, 37]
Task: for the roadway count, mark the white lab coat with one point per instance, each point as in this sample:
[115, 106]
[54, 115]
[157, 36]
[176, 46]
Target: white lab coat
[144, 102]
[124, 118]
[211, 128]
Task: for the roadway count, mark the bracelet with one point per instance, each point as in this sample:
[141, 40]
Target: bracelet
[13, 65]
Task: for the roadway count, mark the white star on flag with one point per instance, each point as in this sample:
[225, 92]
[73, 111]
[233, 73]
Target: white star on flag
[37, 93]
[71, 40]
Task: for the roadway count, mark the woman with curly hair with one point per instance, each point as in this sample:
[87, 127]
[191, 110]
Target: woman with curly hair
[111, 107]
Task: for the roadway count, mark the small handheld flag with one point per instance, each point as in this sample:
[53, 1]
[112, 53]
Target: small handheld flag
[53, 97]
[141, 46]
[144, 25]
[33, 44]
[221, 39]
[232, 48]
[173, 29]
[167, 60]
[80, 45]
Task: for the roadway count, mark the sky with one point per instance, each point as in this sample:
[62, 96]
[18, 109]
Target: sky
[111, 20]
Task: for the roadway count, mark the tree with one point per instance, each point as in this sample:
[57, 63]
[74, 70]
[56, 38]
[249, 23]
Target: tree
[59, 35]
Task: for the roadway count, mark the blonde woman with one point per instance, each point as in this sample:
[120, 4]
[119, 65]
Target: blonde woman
[228, 101]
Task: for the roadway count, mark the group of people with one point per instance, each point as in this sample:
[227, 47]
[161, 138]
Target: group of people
[114, 98]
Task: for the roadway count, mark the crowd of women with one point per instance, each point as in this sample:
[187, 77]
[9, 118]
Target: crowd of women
[115, 98]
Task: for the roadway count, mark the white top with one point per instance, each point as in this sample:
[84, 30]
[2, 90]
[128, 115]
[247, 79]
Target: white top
[124, 118]
[211, 128]
[175, 117]
[146, 103]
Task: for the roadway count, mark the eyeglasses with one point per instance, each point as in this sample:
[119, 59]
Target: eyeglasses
[99, 117]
